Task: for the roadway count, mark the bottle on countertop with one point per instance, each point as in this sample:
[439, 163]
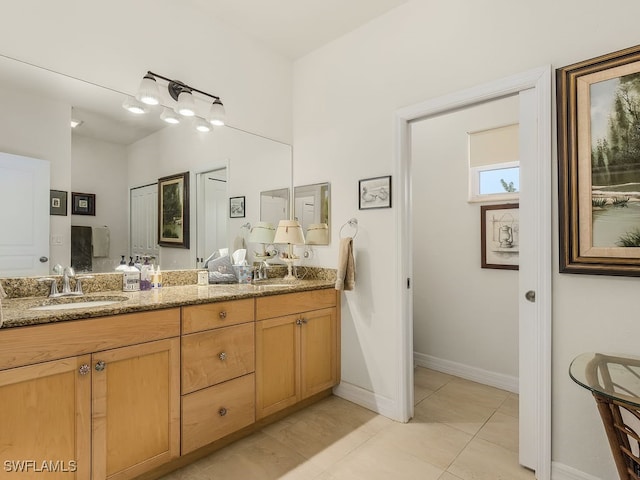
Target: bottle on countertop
[156, 278]
[137, 263]
[131, 279]
[146, 272]
[123, 265]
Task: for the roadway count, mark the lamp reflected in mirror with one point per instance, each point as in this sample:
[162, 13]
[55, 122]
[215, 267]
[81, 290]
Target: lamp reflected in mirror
[262, 233]
[312, 204]
[317, 234]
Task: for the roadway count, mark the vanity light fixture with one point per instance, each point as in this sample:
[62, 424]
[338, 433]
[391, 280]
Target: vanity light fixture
[289, 232]
[148, 91]
[183, 94]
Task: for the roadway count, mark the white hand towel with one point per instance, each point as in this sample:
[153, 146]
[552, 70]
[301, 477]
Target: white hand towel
[100, 238]
[346, 275]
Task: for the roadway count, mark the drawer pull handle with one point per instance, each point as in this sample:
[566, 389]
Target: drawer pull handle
[304, 321]
[100, 366]
[222, 412]
[223, 315]
[222, 356]
[84, 369]
[298, 322]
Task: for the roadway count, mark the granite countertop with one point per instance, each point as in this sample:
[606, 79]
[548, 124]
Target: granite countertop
[18, 312]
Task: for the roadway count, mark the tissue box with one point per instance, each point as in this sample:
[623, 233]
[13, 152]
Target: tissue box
[244, 273]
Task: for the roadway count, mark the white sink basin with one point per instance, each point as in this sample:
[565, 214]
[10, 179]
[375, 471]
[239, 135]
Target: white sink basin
[69, 306]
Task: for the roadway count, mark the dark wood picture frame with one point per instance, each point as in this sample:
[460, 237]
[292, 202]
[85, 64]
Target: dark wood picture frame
[58, 202]
[374, 193]
[83, 203]
[599, 169]
[173, 211]
[500, 236]
[237, 207]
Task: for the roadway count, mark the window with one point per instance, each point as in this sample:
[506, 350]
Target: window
[494, 169]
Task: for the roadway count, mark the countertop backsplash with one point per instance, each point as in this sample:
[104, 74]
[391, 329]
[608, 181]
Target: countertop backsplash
[112, 282]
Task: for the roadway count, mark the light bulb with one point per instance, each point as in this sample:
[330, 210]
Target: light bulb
[134, 106]
[169, 116]
[202, 125]
[186, 106]
[217, 114]
[148, 92]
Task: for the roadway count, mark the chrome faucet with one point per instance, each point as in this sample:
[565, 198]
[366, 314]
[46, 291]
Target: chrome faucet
[66, 275]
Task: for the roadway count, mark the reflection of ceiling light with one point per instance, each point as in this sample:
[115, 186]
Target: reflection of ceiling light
[76, 123]
[169, 116]
[134, 106]
[202, 125]
[148, 91]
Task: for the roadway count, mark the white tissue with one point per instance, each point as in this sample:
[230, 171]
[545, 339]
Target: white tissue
[239, 256]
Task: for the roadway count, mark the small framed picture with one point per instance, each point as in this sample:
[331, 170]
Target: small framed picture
[83, 203]
[173, 211]
[374, 193]
[500, 236]
[236, 207]
[57, 202]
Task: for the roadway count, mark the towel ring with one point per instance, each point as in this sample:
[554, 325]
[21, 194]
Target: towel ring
[353, 223]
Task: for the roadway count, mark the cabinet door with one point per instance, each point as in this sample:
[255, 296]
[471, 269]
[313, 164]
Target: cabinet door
[277, 364]
[318, 351]
[45, 420]
[136, 408]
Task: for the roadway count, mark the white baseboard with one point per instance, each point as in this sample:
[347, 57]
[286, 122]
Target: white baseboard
[493, 379]
[367, 399]
[560, 471]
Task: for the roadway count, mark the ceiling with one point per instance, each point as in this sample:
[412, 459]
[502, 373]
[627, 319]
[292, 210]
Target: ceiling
[295, 27]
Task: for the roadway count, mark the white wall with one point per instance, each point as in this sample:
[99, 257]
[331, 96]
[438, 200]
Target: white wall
[100, 167]
[113, 44]
[39, 128]
[345, 95]
[460, 311]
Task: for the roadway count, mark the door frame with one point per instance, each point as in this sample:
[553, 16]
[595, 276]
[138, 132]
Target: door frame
[539, 80]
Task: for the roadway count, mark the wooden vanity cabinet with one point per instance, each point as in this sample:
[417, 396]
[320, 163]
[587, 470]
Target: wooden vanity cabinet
[218, 361]
[98, 396]
[297, 345]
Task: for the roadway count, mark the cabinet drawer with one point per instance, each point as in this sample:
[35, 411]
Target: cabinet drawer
[215, 412]
[217, 355]
[291, 303]
[196, 318]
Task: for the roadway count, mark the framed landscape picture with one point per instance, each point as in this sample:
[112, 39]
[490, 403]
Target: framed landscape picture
[173, 211]
[236, 207]
[599, 164]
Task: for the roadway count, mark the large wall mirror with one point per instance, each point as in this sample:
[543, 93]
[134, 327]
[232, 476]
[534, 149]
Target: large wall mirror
[115, 156]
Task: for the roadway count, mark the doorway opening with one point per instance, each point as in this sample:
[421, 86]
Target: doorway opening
[534, 91]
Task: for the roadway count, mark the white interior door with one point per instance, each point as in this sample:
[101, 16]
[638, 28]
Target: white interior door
[144, 220]
[212, 213]
[24, 216]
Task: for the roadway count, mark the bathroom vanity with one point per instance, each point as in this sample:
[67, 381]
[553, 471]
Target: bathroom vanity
[136, 388]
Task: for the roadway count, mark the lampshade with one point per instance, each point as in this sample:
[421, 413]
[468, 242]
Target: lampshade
[134, 106]
[318, 234]
[217, 114]
[262, 232]
[202, 125]
[169, 116]
[148, 91]
[289, 231]
[186, 106]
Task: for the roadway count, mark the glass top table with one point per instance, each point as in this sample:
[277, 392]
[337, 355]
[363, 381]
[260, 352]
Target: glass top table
[610, 376]
[614, 381]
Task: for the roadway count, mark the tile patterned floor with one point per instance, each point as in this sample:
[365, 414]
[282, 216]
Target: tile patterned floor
[461, 431]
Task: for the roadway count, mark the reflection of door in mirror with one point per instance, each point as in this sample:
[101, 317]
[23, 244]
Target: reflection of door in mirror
[24, 196]
[311, 209]
[274, 206]
[144, 221]
[211, 213]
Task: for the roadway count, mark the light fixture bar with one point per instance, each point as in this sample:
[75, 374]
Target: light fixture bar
[184, 85]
